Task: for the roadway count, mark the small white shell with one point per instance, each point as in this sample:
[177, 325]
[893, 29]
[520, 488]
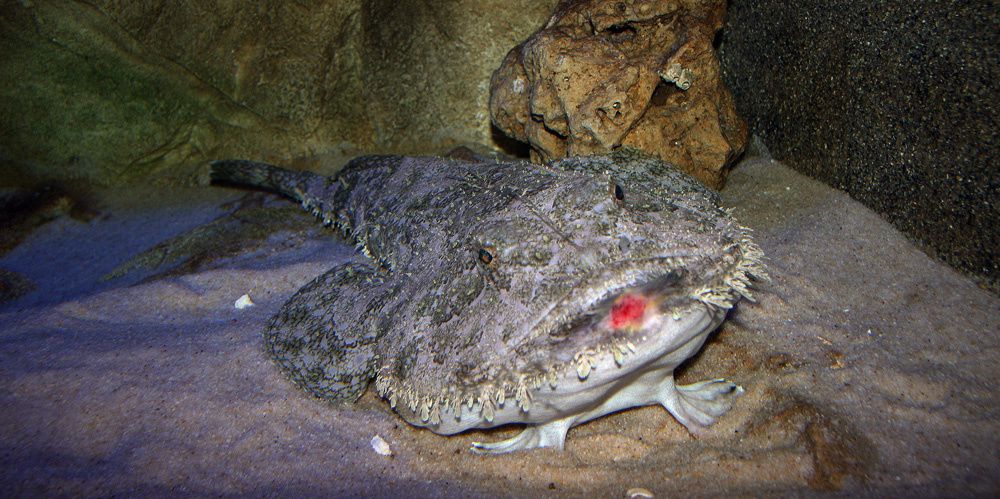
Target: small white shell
[636, 492]
[243, 302]
[381, 446]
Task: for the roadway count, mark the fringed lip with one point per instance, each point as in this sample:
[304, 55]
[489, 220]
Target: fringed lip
[671, 289]
[741, 263]
[652, 275]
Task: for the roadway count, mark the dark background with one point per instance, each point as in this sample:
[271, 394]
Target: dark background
[894, 102]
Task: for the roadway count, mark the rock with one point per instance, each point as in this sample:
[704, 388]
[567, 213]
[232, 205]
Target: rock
[893, 102]
[249, 225]
[118, 92]
[605, 74]
[13, 285]
[22, 210]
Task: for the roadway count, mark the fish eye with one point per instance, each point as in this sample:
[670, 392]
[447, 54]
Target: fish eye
[616, 191]
[486, 254]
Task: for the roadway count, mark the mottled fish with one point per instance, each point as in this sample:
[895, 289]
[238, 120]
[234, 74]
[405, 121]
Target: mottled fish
[486, 293]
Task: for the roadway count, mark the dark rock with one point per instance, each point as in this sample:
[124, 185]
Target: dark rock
[13, 285]
[893, 102]
[23, 210]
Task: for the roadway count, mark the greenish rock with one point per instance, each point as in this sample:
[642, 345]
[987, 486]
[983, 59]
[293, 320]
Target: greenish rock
[87, 101]
[115, 92]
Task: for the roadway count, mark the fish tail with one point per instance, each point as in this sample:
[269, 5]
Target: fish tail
[315, 192]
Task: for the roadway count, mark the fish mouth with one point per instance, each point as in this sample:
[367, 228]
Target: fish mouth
[620, 300]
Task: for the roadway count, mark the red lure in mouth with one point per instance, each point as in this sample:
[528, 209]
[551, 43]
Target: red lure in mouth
[628, 311]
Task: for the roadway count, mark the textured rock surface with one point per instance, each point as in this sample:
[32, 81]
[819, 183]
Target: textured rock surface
[112, 91]
[894, 102]
[602, 74]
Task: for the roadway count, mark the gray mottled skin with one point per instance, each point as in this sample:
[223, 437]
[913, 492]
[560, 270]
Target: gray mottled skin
[482, 291]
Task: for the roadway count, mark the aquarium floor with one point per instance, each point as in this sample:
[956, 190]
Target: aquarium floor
[869, 368]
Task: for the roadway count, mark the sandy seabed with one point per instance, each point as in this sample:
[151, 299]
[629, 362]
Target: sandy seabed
[869, 369]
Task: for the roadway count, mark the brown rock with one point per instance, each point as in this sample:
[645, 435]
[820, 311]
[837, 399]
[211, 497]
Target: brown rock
[605, 74]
